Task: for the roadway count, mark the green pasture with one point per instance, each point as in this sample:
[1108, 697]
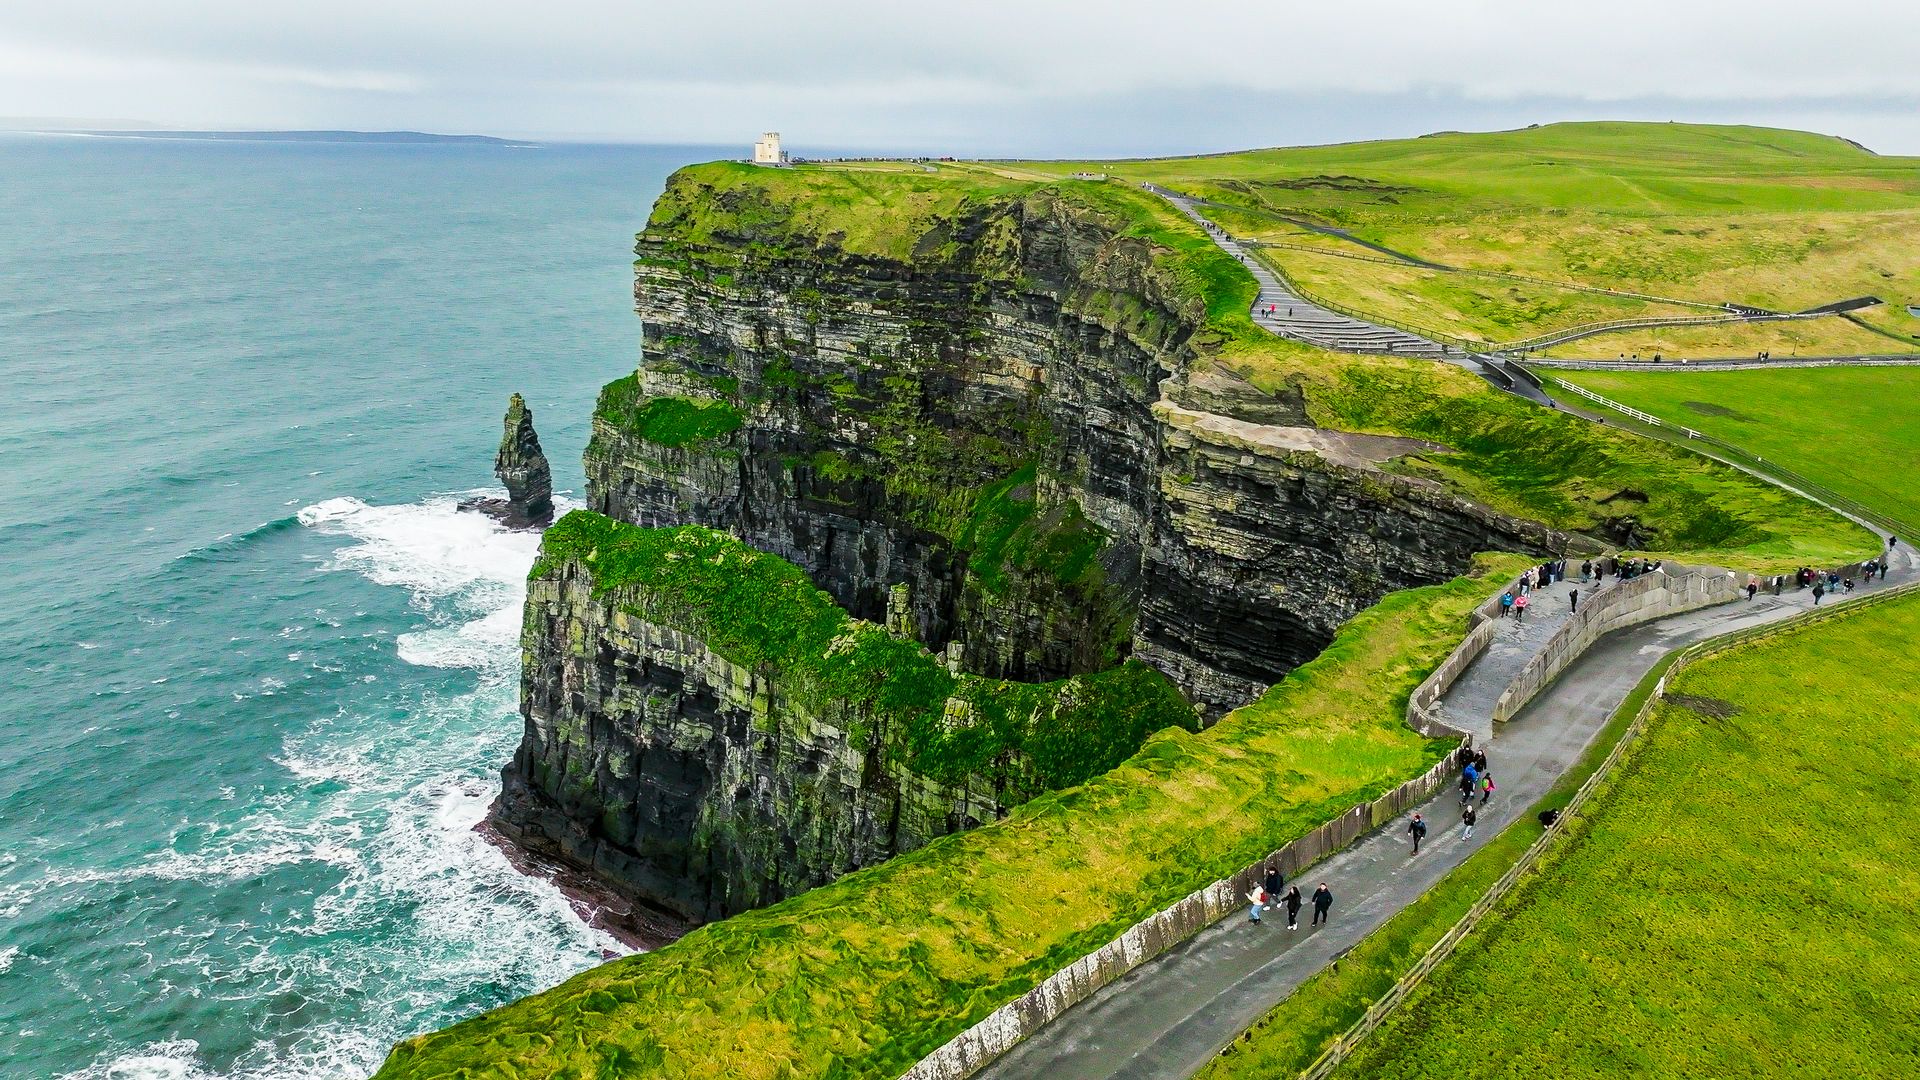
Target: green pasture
[1854, 429]
[1781, 219]
[1738, 900]
[862, 977]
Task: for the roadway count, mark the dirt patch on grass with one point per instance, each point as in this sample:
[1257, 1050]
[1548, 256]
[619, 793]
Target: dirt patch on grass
[1708, 408]
[1714, 707]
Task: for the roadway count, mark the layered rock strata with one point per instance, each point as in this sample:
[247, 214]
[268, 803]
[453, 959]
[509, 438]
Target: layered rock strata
[704, 766]
[522, 467]
[1004, 443]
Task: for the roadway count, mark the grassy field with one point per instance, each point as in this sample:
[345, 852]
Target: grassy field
[1295, 1032]
[1738, 900]
[1854, 429]
[862, 977]
[1479, 306]
[1780, 219]
[1509, 454]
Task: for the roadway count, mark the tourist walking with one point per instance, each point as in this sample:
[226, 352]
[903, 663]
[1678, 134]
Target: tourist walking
[1586, 571]
[1322, 900]
[1293, 902]
[1520, 608]
[1486, 788]
[1257, 897]
[1417, 828]
[1753, 586]
[1819, 590]
[1467, 818]
[1573, 599]
[1506, 602]
[1274, 880]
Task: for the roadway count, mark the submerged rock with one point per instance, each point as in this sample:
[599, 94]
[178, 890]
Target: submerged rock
[523, 469]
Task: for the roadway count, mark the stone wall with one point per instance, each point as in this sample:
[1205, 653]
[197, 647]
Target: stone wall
[1652, 595]
[1006, 1027]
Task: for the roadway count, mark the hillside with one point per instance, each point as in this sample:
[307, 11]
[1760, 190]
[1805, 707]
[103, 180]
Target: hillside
[1705, 214]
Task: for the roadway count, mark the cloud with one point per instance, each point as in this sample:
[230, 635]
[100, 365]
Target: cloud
[1005, 72]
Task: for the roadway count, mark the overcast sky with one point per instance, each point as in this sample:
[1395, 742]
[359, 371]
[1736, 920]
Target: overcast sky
[1033, 77]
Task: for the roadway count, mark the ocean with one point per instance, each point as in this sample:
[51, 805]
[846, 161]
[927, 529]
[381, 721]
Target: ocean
[260, 673]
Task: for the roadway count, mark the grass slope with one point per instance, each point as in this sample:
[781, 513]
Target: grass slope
[763, 612]
[1507, 453]
[1737, 901]
[862, 977]
[1853, 429]
[1780, 219]
[1295, 1032]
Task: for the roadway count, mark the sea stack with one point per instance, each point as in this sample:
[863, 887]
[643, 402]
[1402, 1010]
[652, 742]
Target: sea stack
[523, 469]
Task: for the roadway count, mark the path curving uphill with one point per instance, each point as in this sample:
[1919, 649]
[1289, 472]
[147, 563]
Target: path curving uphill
[1172, 1015]
[1284, 312]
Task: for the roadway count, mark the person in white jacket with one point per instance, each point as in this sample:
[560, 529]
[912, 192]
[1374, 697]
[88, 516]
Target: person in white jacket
[1256, 896]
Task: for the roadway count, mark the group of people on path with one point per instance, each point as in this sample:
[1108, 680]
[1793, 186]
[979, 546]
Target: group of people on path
[1476, 778]
[1267, 894]
[1516, 600]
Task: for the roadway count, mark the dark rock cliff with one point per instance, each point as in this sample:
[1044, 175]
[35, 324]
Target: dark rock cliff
[1006, 445]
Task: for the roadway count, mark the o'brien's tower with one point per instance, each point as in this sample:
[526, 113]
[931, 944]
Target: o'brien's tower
[767, 151]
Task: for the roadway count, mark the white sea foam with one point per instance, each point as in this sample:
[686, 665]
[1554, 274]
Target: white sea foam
[422, 911]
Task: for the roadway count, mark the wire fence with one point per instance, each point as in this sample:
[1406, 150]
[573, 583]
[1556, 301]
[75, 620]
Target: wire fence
[1744, 460]
[1574, 333]
[1504, 275]
[1342, 1049]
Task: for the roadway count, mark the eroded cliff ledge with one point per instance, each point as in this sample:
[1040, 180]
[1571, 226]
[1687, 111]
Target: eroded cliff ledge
[707, 732]
[998, 433]
[972, 415]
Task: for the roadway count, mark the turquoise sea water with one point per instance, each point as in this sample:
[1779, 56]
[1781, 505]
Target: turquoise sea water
[259, 673]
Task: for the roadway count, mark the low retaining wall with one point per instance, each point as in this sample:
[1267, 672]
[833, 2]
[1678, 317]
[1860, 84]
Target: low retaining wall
[1342, 1048]
[1009, 1025]
[1653, 595]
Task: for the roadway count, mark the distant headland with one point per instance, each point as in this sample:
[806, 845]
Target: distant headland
[409, 137]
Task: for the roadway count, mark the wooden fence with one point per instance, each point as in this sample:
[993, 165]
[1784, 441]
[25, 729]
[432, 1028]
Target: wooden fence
[1343, 1047]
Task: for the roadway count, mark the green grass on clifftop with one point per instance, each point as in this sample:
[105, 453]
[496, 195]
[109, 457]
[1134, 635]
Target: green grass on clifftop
[1514, 456]
[1738, 900]
[862, 977]
[1856, 430]
[666, 420]
[762, 612]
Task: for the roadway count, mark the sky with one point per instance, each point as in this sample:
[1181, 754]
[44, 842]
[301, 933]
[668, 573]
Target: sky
[1015, 77]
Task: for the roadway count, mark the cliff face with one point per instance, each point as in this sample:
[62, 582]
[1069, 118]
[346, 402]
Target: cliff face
[977, 422]
[705, 763]
[690, 781]
[1001, 441]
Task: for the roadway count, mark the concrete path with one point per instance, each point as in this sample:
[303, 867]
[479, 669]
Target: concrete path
[1296, 317]
[1171, 1016]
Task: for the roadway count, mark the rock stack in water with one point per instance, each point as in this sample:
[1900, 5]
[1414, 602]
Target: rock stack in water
[523, 469]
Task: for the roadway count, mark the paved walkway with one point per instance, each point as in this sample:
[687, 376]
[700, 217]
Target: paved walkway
[1172, 1015]
[1301, 319]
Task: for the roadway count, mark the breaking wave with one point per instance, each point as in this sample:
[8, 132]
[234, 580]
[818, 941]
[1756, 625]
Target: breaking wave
[415, 920]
